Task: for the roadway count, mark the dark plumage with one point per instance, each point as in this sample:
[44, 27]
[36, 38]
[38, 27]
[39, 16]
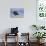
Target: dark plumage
[15, 13]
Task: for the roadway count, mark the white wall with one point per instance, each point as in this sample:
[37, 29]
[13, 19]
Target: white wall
[23, 23]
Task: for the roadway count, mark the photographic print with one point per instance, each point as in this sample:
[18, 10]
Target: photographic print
[17, 12]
